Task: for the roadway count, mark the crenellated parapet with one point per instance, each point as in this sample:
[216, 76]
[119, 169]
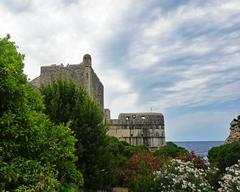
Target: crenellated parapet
[139, 129]
[82, 74]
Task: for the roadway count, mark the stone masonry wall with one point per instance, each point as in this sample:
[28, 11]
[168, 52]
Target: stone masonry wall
[139, 129]
[82, 74]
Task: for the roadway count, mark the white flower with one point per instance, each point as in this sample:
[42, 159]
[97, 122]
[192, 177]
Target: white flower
[183, 176]
[231, 180]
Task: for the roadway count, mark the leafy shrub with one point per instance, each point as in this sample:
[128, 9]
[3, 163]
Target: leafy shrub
[144, 163]
[169, 150]
[120, 153]
[225, 155]
[141, 166]
[198, 161]
[143, 183]
[176, 176]
[231, 179]
[181, 176]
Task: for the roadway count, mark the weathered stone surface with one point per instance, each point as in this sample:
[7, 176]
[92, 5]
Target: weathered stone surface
[234, 131]
[139, 129]
[82, 74]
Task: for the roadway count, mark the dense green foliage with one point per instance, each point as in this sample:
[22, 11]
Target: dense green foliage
[177, 176]
[169, 150]
[121, 150]
[120, 153]
[35, 154]
[225, 155]
[38, 151]
[67, 103]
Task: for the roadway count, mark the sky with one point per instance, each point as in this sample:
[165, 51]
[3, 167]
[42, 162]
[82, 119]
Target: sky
[180, 58]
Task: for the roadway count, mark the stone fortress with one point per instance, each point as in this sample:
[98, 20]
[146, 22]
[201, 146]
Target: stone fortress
[82, 74]
[139, 129]
[135, 128]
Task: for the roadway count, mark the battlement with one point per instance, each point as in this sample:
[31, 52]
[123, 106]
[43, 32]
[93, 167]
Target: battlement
[54, 68]
[82, 74]
[139, 129]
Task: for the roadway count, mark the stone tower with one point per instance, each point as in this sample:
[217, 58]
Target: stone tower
[135, 128]
[82, 74]
[139, 129]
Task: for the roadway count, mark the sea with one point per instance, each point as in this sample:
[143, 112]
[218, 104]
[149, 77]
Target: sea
[199, 147]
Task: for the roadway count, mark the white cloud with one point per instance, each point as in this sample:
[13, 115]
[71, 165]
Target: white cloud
[192, 48]
[161, 37]
[198, 45]
[119, 82]
[51, 32]
[126, 103]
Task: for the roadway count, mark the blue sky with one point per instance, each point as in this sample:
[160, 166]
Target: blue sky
[181, 58]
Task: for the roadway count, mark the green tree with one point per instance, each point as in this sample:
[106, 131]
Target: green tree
[35, 154]
[65, 102]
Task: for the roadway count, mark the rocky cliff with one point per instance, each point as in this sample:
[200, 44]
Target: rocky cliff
[234, 131]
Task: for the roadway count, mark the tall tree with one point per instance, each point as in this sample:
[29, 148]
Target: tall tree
[65, 102]
[35, 154]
